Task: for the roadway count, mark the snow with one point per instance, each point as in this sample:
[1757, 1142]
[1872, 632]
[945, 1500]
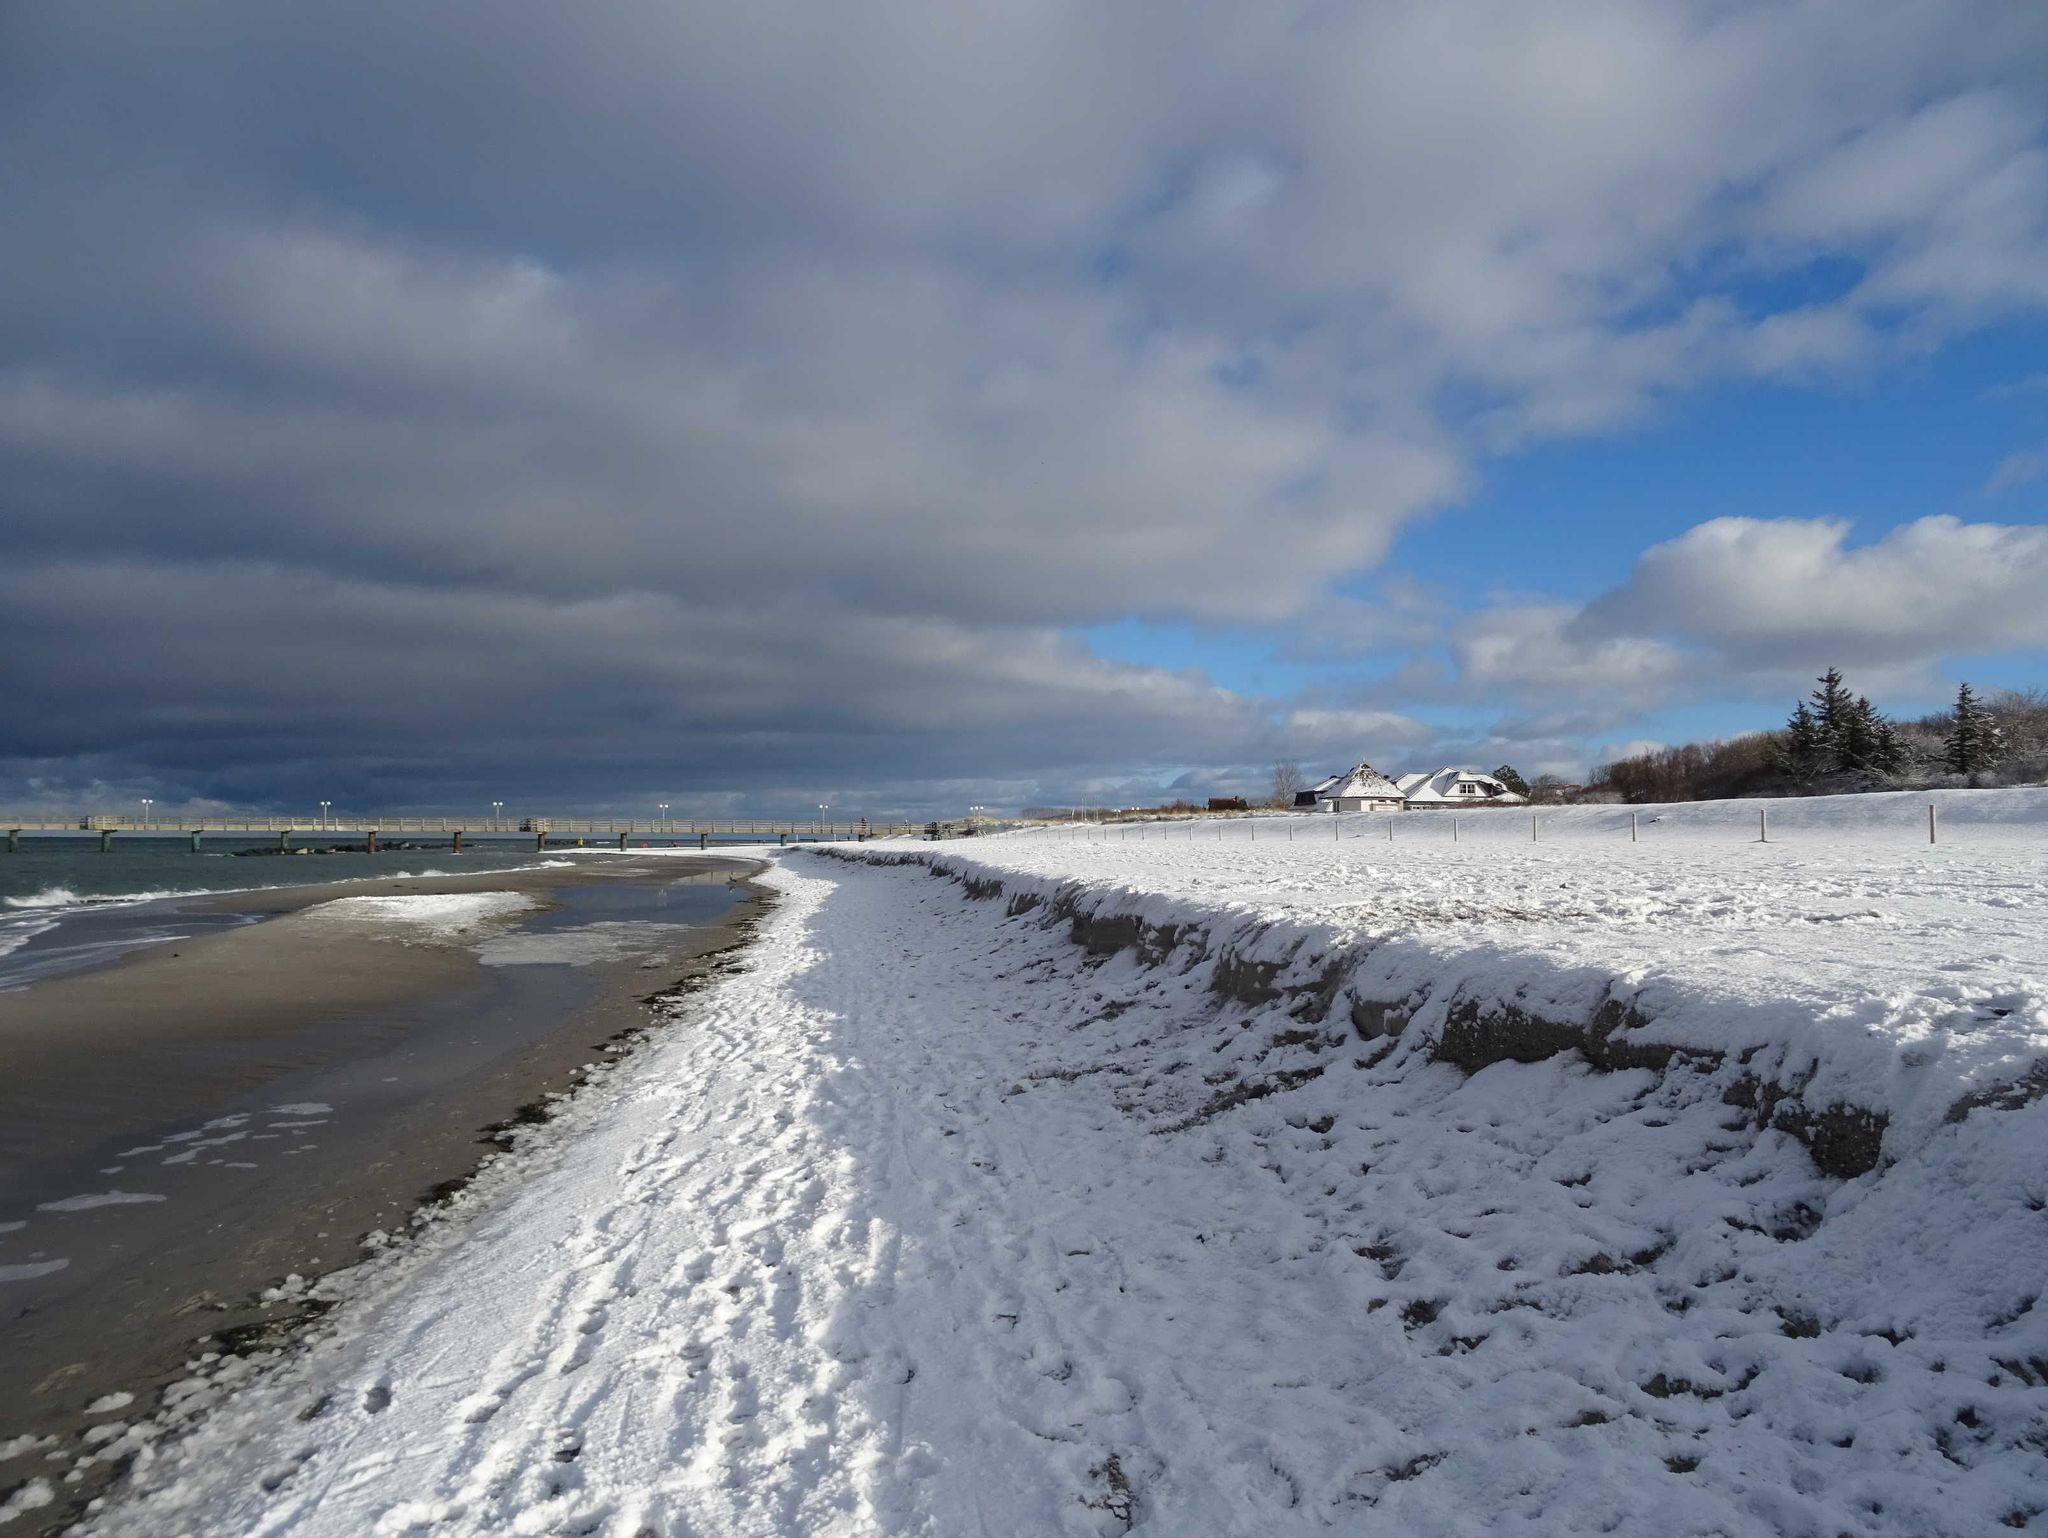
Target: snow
[931, 1222]
[1444, 787]
[94, 1199]
[1362, 783]
[437, 917]
[1924, 963]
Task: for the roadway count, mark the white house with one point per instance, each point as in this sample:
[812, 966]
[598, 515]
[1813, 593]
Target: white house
[1363, 789]
[1455, 788]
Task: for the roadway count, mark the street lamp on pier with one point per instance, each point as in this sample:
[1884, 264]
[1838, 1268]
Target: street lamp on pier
[497, 816]
[664, 817]
[147, 803]
[326, 816]
[821, 817]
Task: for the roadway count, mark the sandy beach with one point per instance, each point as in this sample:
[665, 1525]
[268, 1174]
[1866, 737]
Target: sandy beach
[189, 1125]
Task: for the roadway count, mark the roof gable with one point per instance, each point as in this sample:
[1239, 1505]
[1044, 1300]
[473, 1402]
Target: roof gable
[1364, 781]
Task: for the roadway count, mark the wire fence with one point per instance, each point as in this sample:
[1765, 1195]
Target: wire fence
[1752, 824]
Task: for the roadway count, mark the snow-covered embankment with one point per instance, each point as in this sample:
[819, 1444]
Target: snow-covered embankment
[1770, 1112]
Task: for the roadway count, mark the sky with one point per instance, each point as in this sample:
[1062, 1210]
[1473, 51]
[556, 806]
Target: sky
[911, 406]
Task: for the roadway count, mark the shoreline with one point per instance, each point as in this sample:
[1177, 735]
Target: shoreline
[54, 927]
[226, 1030]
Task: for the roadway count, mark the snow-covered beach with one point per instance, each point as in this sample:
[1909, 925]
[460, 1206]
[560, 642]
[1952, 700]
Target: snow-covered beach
[1182, 1181]
[185, 1125]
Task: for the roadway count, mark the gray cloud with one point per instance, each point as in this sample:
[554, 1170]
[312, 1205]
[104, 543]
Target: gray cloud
[688, 397]
[225, 675]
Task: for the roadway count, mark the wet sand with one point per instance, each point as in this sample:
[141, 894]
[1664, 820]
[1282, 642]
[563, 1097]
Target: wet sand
[189, 1125]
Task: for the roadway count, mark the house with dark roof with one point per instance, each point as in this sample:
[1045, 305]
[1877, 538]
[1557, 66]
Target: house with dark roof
[1305, 800]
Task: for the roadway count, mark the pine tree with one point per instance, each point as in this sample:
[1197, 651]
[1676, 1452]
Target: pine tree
[1856, 743]
[1514, 782]
[1972, 744]
[1803, 754]
[1833, 710]
[1889, 755]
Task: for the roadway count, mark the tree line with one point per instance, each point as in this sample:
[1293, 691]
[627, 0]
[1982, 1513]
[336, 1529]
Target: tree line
[1835, 740]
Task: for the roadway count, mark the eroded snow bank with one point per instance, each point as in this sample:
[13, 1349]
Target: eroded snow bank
[1847, 983]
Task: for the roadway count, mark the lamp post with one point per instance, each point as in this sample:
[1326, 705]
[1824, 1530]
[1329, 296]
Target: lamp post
[326, 819]
[497, 816]
[821, 819]
[147, 803]
[664, 817]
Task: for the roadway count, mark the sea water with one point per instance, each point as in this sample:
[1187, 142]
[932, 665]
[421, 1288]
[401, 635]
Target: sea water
[63, 903]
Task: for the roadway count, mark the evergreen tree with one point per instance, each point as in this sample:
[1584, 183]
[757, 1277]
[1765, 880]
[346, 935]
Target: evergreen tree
[1514, 782]
[1972, 744]
[1833, 709]
[1889, 755]
[1803, 753]
[1856, 742]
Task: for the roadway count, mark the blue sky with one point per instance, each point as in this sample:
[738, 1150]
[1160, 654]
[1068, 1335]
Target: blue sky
[1567, 519]
[905, 407]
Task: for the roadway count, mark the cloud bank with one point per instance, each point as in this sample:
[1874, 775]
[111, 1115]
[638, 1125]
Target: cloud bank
[748, 401]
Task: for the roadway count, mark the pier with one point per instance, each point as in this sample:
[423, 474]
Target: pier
[545, 832]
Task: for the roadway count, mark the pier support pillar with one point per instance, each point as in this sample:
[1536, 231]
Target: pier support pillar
[458, 841]
[782, 838]
[195, 840]
[14, 841]
[106, 840]
[540, 842]
[622, 842]
[284, 841]
[703, 840]
[372, 836]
